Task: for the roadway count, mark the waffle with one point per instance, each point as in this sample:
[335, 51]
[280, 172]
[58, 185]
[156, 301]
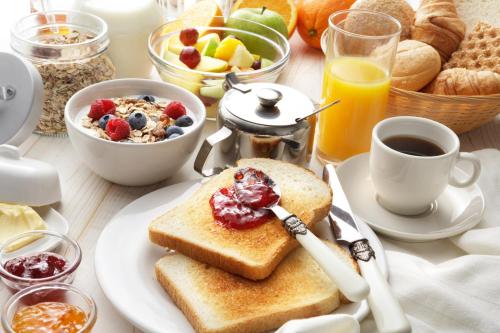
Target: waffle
[479, 51]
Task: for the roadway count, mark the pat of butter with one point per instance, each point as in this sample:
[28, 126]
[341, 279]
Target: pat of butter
[16, 219]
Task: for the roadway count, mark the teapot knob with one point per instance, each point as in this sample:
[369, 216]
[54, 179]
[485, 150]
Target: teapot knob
[268, 97]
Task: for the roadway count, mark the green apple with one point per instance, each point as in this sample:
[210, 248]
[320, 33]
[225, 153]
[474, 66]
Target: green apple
[241, 57]
[209, 49]
[209, 64]
[263, 16]
[204, 40]
[265, 63]
[213, 89]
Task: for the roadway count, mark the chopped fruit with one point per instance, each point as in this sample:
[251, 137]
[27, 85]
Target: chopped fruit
[147, 98]
[175, 110]
[214, 89]
[204, 13]
[241, 57]
[184, 121]
[173, 130]
[100, 107]
[256, 57]
[117, 129]
[190, 57]
[266, 63]
[104, 120]
[257, 64]
[174, 44]
[204, 40]
[189, 36]
[227, 47]
[236, 69]
[209, 49]
[137, 120]
[209, 64]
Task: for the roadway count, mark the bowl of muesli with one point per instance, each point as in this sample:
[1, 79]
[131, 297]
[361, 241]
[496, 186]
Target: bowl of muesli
[134, 132]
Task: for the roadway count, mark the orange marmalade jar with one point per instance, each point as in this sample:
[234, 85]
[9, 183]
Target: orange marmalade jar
[49, 308]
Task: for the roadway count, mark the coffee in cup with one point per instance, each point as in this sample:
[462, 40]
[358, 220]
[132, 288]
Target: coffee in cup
[412, 161]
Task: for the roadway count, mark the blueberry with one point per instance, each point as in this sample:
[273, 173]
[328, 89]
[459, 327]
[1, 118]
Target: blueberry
[184, 121]
[173, 136]
[174, 130]
[147, 98]
[137, 120]
[104, 120]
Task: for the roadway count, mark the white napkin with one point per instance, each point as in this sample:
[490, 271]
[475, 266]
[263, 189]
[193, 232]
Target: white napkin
[444, 286]
[340, 323]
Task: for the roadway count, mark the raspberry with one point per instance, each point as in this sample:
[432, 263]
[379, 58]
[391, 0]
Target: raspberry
[117, 129]
[100, 107]
[175, 110]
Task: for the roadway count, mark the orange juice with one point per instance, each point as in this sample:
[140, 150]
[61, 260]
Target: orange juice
[363, 88]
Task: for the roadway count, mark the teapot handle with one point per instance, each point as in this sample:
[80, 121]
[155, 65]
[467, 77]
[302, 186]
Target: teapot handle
[201, 158]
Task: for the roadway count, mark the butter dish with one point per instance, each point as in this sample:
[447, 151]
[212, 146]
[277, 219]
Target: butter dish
[22, 180]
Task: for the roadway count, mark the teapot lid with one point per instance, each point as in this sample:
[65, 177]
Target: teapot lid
[267, 104]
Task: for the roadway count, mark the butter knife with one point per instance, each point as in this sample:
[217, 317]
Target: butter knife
[388, 314]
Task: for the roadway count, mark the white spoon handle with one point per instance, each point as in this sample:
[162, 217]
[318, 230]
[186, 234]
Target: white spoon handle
[386, 310]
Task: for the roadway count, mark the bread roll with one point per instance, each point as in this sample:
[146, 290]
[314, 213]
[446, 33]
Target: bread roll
[416, 65]
[461, 81]
[437, 24]
[398, 9]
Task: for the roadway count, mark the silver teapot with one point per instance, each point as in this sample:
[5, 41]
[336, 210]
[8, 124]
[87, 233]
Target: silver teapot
[258, 120]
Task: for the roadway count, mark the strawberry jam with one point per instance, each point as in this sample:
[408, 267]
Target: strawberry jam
[243, 205]
[37, 266]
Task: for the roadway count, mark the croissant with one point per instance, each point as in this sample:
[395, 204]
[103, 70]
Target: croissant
[437, 24]
[461, 81]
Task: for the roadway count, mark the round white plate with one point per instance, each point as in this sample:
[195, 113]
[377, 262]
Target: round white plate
[124, 263]
[55, 222]
[457, 210]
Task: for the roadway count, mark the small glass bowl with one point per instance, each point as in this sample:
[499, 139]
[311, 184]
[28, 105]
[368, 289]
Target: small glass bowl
[275, 46]
[32, 243]
[49, 292]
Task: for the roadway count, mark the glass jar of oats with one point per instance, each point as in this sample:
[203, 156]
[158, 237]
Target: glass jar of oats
[69, 50]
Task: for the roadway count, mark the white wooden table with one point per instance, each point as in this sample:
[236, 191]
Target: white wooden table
[89, 201]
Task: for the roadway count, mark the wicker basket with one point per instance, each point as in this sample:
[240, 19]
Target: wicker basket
[460, 113]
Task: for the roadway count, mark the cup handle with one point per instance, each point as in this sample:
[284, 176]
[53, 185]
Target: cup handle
[476, 164]
[199, 163]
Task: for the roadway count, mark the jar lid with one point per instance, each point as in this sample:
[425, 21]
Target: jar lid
[24, 181]
[268, 104]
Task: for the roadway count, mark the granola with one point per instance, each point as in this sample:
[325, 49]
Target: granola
[156, 124]
[63, 79]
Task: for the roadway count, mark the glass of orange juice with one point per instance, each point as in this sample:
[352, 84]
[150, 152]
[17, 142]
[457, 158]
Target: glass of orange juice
[360, 51]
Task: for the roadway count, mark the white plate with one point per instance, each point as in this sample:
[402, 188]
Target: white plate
[457, 209]
[124, 263]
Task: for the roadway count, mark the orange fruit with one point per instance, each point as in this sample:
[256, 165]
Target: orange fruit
[313, 18]
[285, 8]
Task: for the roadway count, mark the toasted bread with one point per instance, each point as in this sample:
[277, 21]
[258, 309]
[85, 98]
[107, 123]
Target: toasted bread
[215, 301]
[253, 253]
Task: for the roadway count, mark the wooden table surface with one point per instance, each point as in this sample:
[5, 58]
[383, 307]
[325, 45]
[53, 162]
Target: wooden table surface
[89, 202]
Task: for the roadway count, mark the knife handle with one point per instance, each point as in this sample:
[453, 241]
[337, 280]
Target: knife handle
[386, 310]
[349, 282]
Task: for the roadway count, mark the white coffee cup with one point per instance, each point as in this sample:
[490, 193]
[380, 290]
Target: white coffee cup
[407, 184]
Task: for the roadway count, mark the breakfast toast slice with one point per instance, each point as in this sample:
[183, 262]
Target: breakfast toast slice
[215, 301]
[252, 253]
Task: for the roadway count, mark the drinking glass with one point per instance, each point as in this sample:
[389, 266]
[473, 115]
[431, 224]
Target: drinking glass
[360, 51]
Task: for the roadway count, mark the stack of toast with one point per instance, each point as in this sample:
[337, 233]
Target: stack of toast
[252, 280]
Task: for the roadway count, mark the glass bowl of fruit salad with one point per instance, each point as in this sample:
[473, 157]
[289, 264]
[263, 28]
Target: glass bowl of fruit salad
[198, 57]
[36, 257]
[134, 132]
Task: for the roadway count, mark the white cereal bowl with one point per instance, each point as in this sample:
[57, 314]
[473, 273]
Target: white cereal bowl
[133, 164]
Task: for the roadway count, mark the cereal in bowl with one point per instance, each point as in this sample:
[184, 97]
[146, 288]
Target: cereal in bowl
[141, 119]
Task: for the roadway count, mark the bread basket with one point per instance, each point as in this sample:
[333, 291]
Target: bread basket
[460, 113]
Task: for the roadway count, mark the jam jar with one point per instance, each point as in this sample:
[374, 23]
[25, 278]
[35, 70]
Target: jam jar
[68, 48]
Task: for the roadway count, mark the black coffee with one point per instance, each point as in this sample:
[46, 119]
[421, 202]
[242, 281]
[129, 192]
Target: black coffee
[413, 146]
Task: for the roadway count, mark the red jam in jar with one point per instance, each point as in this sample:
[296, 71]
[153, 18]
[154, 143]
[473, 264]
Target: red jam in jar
[242, 205]
[36, 266]
[49, 317]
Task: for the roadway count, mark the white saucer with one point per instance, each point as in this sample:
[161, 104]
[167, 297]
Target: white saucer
[456, 210]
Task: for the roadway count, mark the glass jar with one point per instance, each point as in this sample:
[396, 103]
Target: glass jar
[69, 50]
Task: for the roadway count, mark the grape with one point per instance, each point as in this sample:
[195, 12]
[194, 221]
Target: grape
[190, 56]
[257, 64]
[189, 36]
